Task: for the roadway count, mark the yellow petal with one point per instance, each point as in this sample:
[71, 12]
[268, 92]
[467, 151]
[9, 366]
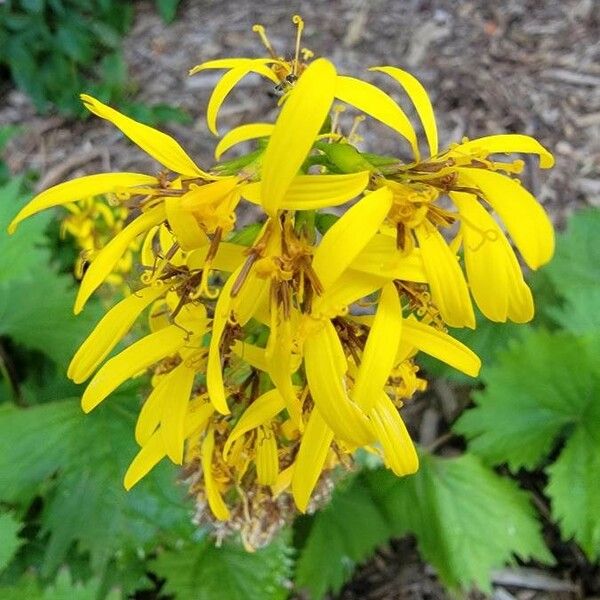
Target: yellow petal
[446, 280]
[154, 450]
[227, 83]
[507, 144]
[214, 373]
[377, 104]
[200, 196]
[312, 454]
[160, 146]
[267, 460]
[419, 97]
[151, 412]
[296, 128]
[106, 260]
[524, 218]
[398, 448]
[215, 500]
[379, 355]
[228, 258]
[284, 480]
[309, 192]
[232, 63]
[240, 134]
[252, 295]
[110, 331]
[253, 355]
[349, 235]
[82, 187]
[184, 225]
[145, 460]
[261, 411]
[381, 257]
[328, 389]
[128, 363]
[350, 287]
[181, 380]
[438, 344]
[492, 267]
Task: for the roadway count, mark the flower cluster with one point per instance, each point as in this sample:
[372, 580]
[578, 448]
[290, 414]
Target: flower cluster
[280, 349]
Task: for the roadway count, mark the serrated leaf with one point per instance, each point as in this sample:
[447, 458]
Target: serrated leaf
[574, 489]
[204, 572]
[466, 518]
[9, 538]
[26, 588]
[576, 263]
[341, 535]
[537, 388]
[20, 254]
[38, 314]
[87, 504]
[579, 314]
[64, 588]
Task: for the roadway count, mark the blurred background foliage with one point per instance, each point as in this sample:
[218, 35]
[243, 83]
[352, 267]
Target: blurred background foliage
[54, 49]
[512, 479]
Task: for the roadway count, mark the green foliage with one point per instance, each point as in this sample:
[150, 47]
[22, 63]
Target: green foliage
[35, 301]
[530, 406]
[466, 518]
[63, 588]
[577, 260]
[167, 9]
[9, 538]
[341, 535]
[202, 571]
[57, 49]
[86, 504]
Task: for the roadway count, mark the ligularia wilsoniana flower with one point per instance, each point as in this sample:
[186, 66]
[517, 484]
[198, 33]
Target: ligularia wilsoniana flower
[280, 349]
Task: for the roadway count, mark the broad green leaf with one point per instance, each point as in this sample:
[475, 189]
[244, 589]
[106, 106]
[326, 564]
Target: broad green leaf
[537, 389]
[205, 572]
[87, 503]
[9, 538]
[574, 491]
[341, 535]
[38, 313]
[467, 519]
[20, 254]
[26, 588]
[579, 314]
[64, 588]
[576, 263]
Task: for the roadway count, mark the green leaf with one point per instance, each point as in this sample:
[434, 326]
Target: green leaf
[9, 538]
[167, 9]
[20, 254]
[574, 489]
[64, 588]
[537, 389]
[87, 503]
[576, 263]
[467, 519]
[341, 535]
[203, 571]
[38, 314]
[579, 313]
[26, 588]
